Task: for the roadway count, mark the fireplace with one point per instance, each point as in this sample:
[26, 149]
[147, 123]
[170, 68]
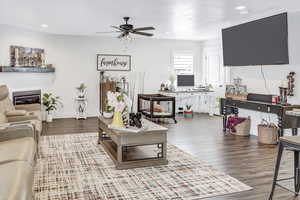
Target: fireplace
[27, 97]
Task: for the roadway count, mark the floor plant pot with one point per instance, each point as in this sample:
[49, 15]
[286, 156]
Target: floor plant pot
[49, 117]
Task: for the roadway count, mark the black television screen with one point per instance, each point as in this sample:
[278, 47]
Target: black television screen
[185, 80]
[260, 42]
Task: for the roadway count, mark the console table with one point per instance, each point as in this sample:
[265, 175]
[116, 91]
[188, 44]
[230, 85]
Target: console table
[231, 106]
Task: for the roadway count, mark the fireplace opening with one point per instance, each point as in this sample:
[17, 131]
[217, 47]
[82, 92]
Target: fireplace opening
[27, 97]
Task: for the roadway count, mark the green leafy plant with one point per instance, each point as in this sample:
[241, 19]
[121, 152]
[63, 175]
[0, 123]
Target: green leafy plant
[51, 102]
[188, 107]
[108, 108]
[81, 87]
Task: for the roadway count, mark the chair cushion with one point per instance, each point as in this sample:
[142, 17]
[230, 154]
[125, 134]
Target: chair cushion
[16, 181]
[3, 118]
[5, 103]
[291, 139]
[21, 149]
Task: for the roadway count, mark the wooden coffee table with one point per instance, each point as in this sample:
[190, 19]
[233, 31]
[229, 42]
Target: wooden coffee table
[131, 150]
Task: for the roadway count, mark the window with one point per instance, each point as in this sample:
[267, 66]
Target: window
[183, 63]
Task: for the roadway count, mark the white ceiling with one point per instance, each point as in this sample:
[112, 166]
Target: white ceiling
[173, 19]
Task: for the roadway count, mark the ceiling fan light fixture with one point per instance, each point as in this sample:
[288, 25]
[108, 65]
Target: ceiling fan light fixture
[127, 37]
[44, 25]
[241, 7]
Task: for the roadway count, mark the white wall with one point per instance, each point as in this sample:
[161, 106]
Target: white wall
[74, 58]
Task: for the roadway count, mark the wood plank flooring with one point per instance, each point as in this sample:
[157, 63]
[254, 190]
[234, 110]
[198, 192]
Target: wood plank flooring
[202, 136]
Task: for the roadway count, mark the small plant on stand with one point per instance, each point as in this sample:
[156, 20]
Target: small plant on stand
[81, 90]
[51, 103]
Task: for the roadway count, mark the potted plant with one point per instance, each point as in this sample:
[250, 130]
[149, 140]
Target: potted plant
[81, 90]
[108, 111]
[51, 104]
[188, 110]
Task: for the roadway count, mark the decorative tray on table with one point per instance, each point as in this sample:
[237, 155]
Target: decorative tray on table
[129, 129]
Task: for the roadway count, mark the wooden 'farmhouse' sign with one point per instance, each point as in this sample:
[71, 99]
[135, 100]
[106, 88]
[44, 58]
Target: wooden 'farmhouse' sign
[107, 62]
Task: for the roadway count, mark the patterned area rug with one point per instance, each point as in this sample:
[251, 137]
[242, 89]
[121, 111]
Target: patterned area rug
[76, 167]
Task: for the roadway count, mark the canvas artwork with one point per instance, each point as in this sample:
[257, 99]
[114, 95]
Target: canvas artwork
[26, 57]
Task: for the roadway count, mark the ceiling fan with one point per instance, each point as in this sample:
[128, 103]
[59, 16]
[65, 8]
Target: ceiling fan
[126, 29]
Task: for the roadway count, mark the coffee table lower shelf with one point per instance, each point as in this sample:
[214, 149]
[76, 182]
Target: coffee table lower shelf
[118, 155]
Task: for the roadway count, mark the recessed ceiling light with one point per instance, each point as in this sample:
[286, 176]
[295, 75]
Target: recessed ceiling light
[243, 12]
[240, 7]
[44, 26]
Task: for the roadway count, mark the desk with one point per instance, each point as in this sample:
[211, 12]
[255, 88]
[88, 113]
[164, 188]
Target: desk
[203, 101]
[231, 106]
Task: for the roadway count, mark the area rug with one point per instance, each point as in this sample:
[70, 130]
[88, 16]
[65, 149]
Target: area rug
[76, 167]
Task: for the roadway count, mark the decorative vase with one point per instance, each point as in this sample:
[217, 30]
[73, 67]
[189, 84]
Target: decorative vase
[107, 115]
[117, 120]
[172, 87]
[49, 117]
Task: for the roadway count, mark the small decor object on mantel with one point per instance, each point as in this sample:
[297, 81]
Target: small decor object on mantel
[107, 62]
[51, 103]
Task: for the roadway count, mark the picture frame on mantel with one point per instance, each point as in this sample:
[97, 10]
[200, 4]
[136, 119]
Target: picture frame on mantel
[111, 62]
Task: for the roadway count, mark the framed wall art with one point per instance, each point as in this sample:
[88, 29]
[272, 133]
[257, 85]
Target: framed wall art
[109, 62]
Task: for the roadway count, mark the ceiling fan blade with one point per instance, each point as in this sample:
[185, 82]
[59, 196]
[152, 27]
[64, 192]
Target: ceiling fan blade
[104, 32]
[144, 29]
[120, 29]
[143, 33]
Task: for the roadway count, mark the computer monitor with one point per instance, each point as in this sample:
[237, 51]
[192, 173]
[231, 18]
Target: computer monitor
[185, 80]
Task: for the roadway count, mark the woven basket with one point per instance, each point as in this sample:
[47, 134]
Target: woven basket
[243, 129]
[267, 134]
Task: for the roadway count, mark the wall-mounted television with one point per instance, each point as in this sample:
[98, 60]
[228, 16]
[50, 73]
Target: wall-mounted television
[185, 80]
[260, 42]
